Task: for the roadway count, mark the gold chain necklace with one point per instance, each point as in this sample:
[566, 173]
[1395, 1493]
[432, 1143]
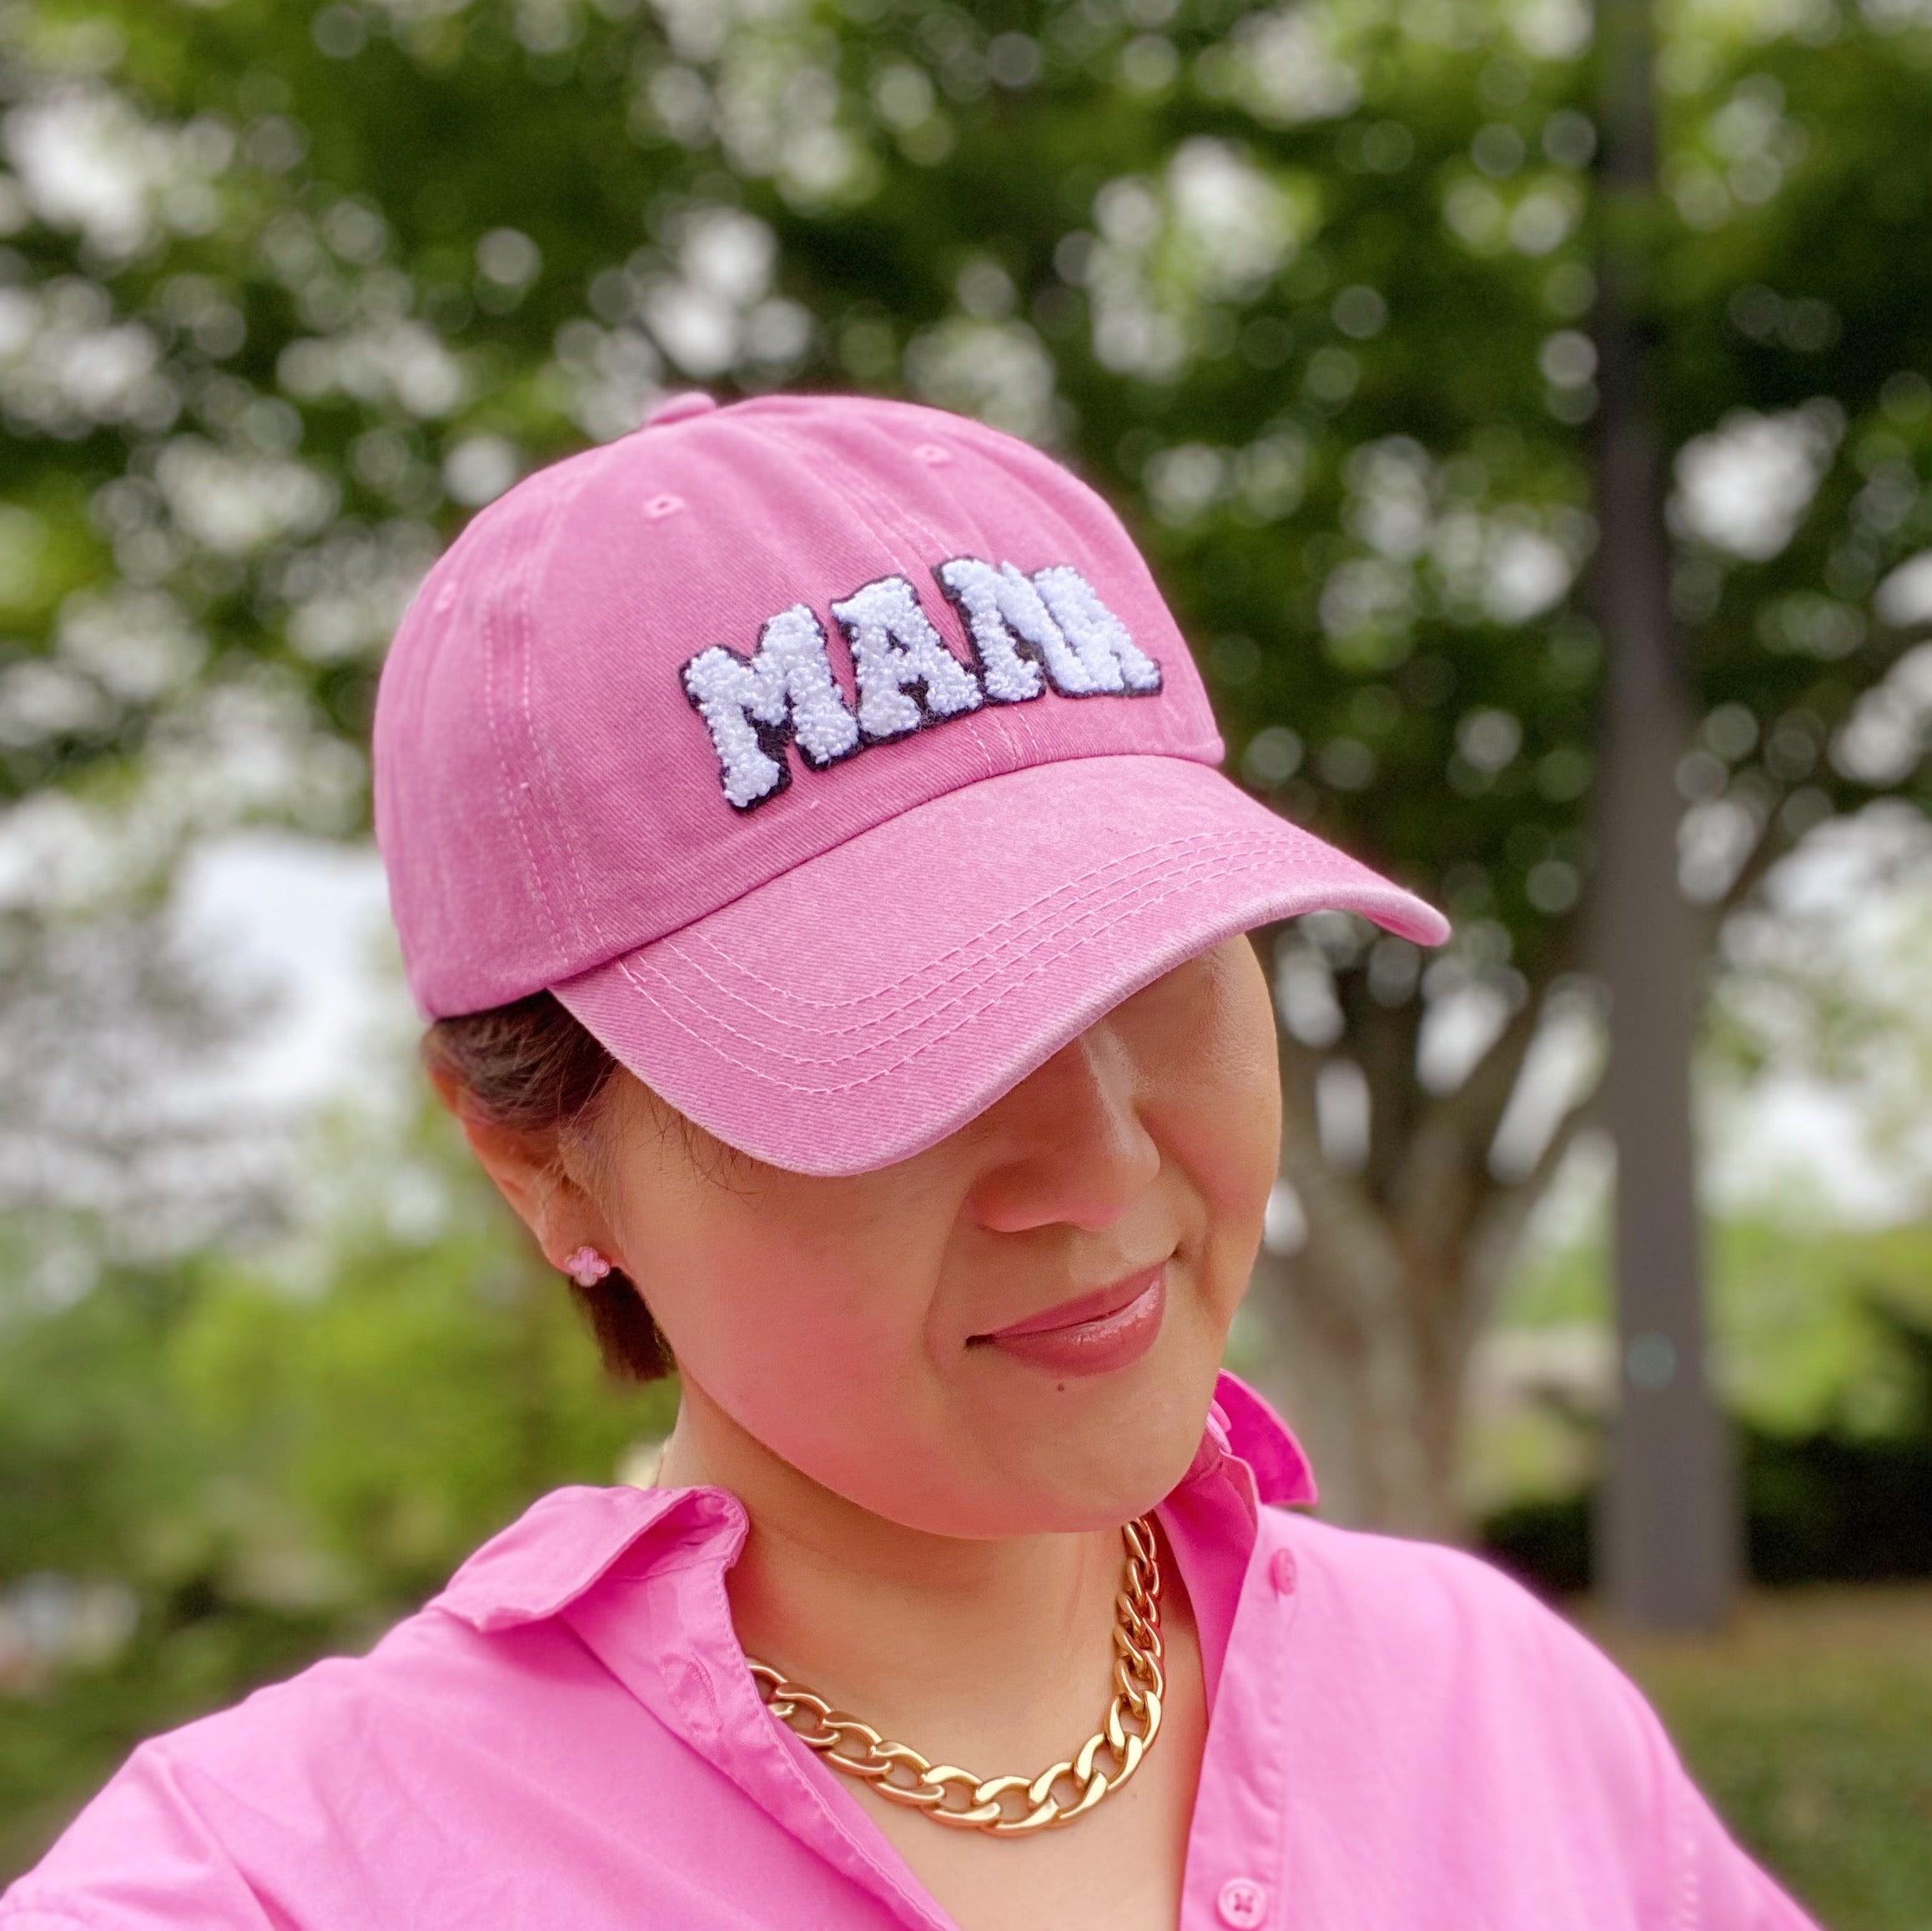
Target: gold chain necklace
[1008, 1806]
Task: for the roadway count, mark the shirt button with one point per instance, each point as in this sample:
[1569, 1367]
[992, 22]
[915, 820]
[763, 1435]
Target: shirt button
[1243, 1903]
[1282, 1571]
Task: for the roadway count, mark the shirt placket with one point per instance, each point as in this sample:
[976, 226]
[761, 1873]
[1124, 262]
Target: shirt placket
[666, 1636]
[1236, 1877]
[664, 1632]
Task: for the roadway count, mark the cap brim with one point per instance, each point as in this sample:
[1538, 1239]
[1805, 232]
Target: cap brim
[864, 1005]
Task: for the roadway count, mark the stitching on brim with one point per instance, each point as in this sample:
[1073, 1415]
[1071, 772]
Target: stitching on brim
[677, 944]
[1366, 886]
[1074, 940]
[995, 958]
[1019, 919]
[1373, 897]
[1175, 878]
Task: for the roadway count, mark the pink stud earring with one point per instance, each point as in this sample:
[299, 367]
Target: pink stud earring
[586, 1267]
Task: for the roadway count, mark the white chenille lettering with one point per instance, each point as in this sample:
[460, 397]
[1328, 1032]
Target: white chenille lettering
[894, 647]
[1028, 634]
[785, 686]
[1011, 630]
[1109, 658]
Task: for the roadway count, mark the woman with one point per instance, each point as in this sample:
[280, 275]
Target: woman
[803, 829]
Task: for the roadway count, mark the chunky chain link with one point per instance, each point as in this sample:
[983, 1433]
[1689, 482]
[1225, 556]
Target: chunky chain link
[1008, 1806]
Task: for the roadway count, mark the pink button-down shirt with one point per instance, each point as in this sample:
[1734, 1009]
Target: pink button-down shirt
[567, 1739]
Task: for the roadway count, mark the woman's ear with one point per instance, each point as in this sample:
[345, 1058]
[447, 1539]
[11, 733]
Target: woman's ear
[530, 1173]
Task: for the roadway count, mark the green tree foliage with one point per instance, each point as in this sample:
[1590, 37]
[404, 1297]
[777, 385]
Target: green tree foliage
[1306, 289]
[287, 289]
[211, 1472]
[1290, 283]
[365, 1431]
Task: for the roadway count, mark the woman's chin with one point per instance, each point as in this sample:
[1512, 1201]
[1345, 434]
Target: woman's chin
[1072, 1483]
[1082, 1453]
[1013, 1448]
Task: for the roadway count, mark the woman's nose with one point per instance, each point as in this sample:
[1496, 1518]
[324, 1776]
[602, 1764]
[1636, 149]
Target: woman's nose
[1073, 1148]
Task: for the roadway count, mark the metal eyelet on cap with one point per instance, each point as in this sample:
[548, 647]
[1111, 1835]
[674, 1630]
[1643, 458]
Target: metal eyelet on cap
[676, 408]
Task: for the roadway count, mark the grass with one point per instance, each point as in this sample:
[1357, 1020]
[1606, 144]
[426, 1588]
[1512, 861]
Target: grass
[1809, 1724]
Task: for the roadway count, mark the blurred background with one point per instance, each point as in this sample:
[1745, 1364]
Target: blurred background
[1526, 406]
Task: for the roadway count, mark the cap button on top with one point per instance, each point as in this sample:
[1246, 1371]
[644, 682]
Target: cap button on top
[1243, 1903]
[677, 408]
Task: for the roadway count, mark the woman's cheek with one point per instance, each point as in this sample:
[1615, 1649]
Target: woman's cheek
[787, 1335]
[1226, 1131]
[1251, 1161]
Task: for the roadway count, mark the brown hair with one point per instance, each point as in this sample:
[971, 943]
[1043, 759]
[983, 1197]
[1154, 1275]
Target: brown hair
[532, 1066]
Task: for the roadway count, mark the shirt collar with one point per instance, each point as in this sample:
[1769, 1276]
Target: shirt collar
[570, 1540]
[1242, 1425]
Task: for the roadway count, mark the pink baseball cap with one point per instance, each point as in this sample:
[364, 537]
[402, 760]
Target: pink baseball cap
[836, 761]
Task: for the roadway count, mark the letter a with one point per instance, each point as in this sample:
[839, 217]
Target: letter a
[895, 645]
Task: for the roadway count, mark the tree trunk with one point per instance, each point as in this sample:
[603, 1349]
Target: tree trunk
[1373, 1318]
[1667, 1534]
[1377, 1409]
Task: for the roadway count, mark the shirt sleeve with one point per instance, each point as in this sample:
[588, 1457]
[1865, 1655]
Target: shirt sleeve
[139, 1857]
[1544, 1695]
[1704, 1880]
[1721, 1888]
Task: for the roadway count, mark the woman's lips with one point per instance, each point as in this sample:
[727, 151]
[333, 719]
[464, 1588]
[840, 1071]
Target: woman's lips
[1093, 1333]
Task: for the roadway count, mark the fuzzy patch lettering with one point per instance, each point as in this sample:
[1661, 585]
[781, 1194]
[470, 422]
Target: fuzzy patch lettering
[784, 691]
[1108, 659]
[1011, 632]
[1028, 635]
[895, 650]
